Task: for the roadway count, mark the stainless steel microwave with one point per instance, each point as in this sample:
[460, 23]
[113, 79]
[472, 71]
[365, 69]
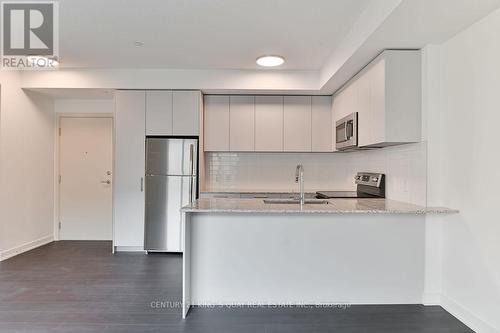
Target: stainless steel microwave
[346, 132]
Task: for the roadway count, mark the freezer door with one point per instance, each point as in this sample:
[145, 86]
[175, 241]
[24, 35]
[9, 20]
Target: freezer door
[172, 157]
[165, 195]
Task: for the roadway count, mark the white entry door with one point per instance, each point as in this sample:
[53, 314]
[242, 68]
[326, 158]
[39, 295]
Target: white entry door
[85, 188]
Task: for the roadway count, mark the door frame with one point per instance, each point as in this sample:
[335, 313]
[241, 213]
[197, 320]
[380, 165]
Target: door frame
[57, 194]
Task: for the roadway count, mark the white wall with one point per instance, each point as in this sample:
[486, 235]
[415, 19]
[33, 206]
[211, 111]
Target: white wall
[404, 165]
[26, 167]
[82, 106]
[463, 132]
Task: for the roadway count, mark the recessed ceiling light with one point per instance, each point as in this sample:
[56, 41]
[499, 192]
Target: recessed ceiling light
[138, 43]
[42, 61]
[270, 60]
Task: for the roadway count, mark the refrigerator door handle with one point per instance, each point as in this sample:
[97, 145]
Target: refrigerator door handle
[142, 184]
[190, 189]
[191, 160]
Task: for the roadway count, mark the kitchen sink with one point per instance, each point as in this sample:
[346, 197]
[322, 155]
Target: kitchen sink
[296, 201]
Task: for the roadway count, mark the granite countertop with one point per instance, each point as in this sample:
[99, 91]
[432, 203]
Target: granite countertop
[258, 191]
[334, 206]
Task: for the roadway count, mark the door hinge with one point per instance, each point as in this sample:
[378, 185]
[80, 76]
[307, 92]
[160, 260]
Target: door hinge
[59, 225]
[59, 179]
[59, 131]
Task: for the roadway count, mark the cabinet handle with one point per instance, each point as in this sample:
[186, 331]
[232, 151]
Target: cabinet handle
[142, 184]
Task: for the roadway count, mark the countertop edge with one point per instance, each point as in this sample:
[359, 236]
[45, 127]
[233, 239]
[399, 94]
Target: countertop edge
[242, 206]
[433, 211]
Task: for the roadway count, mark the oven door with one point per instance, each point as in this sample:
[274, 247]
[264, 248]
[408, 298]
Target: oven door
[346, 132]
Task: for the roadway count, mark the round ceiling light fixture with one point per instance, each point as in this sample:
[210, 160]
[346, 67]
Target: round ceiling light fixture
[43, 61]
[270, 60]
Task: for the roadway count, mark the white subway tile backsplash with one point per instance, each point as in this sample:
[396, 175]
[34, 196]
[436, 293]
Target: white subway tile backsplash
[405, 167]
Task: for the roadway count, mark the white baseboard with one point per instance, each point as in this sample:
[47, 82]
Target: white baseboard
[465, 315]
[129, 249]
[25, 247]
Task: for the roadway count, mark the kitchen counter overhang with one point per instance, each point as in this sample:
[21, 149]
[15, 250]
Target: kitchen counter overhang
[334, 206]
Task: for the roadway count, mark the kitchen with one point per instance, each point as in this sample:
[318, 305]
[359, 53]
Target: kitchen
[377, 108]
[306, 188]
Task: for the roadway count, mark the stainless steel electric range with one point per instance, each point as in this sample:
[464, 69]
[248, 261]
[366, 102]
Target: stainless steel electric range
[368, 185]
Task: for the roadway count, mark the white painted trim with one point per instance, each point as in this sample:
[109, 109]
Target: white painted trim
[129, 249]
[429, 299]
[457, 310]
[186, 265]
[25, 247]
[466, 316]
[57, 160]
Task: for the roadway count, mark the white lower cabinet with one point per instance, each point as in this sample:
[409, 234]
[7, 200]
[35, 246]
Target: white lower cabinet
[129, 168]
[297, 123]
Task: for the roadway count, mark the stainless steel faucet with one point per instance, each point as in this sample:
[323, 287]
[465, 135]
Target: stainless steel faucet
[299, 178]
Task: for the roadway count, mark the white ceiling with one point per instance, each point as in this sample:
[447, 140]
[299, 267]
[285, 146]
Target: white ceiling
[211, 45]
[202, 34]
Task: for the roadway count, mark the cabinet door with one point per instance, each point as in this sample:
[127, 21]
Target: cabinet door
[129, 168]
[242, 123]
[216, 120]
[377, 103]
[364, 109]
[345, 102]
[186, 112]
[321, 124]
[336, 105]
[269, 123]
[297, 123]
[159, 112]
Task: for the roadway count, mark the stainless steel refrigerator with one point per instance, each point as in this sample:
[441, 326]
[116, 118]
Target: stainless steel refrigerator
[171, 182]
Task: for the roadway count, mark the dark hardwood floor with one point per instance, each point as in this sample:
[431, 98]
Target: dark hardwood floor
[81, 287]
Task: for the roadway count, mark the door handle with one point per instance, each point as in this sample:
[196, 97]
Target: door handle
[191, 159]
[106, 182]
[190, 189]
[142, 184]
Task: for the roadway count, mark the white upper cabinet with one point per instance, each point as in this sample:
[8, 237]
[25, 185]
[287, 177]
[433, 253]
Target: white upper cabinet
[387, 96]
[216, 123]
[172, 112]
[297, 123]
[186, 112]
[242, 123]
[269, 123]
[321, 124]
[159, 115]
[374, 119]
[362, 88]
[129, 168]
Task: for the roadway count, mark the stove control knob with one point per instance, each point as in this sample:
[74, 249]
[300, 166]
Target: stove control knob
[375, 179]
